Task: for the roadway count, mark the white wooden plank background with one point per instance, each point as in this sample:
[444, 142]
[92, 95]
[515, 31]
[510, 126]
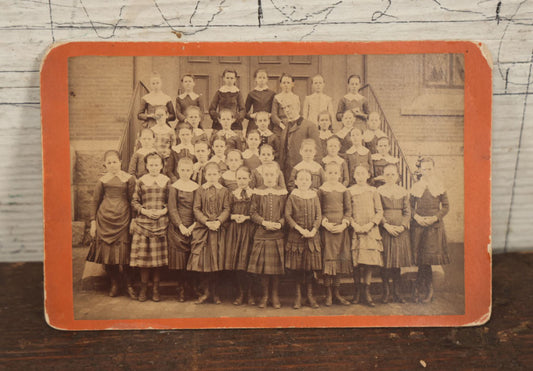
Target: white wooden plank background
[29, 27]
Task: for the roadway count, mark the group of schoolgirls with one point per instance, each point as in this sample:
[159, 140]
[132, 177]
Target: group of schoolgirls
[201, 202]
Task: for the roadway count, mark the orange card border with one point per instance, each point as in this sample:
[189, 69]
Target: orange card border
[59, 309]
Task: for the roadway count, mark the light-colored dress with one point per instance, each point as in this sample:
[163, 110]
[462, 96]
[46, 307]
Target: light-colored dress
[367, 248]
[316, 103]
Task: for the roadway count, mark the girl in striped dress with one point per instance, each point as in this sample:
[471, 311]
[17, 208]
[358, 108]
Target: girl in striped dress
[149, 246]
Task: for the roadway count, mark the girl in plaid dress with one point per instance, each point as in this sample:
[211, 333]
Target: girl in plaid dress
[110, 220]
[211, 209]
[303, 253]
[267, 211]
[180, 212]
[149, 245]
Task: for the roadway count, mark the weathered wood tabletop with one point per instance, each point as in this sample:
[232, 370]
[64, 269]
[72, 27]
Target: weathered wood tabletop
[30, 27]
[505, 342]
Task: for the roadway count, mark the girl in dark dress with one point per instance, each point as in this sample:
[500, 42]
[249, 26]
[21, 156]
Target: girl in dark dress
[228, 96]
[187, 98]
[357, 154]
[373, 133]
[429, 204]
[381, 159]
[239, 235]
[211, 210]
[332, 148]
[354, 102]
[180, 212]
[303, 251]
[266, 136]
[259, 99]
[336, 208]
[395, 232]
[250, 155]
[229, 177]
[325, 127]
[348, 120]
[137, 167]
[110, 220]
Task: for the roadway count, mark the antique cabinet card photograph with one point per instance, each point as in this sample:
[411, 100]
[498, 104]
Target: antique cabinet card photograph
[260, 185]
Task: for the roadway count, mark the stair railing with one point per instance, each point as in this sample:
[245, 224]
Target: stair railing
[128, 139]
[406, 175]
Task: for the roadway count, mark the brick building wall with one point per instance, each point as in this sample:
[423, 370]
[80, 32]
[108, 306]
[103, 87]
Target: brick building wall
[100, 91]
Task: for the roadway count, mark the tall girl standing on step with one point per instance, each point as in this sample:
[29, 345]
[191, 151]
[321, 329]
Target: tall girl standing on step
[155, 99]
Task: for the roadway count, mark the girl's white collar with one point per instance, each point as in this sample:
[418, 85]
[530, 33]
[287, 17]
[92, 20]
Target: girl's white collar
[192, 94]
[228, 89]
[161, 180]
[122, 175]
[185, 185]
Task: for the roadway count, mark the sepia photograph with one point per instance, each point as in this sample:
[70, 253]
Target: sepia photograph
[209, 186]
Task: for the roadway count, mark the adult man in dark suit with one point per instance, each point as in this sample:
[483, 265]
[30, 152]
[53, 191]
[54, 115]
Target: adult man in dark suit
[297, 129]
